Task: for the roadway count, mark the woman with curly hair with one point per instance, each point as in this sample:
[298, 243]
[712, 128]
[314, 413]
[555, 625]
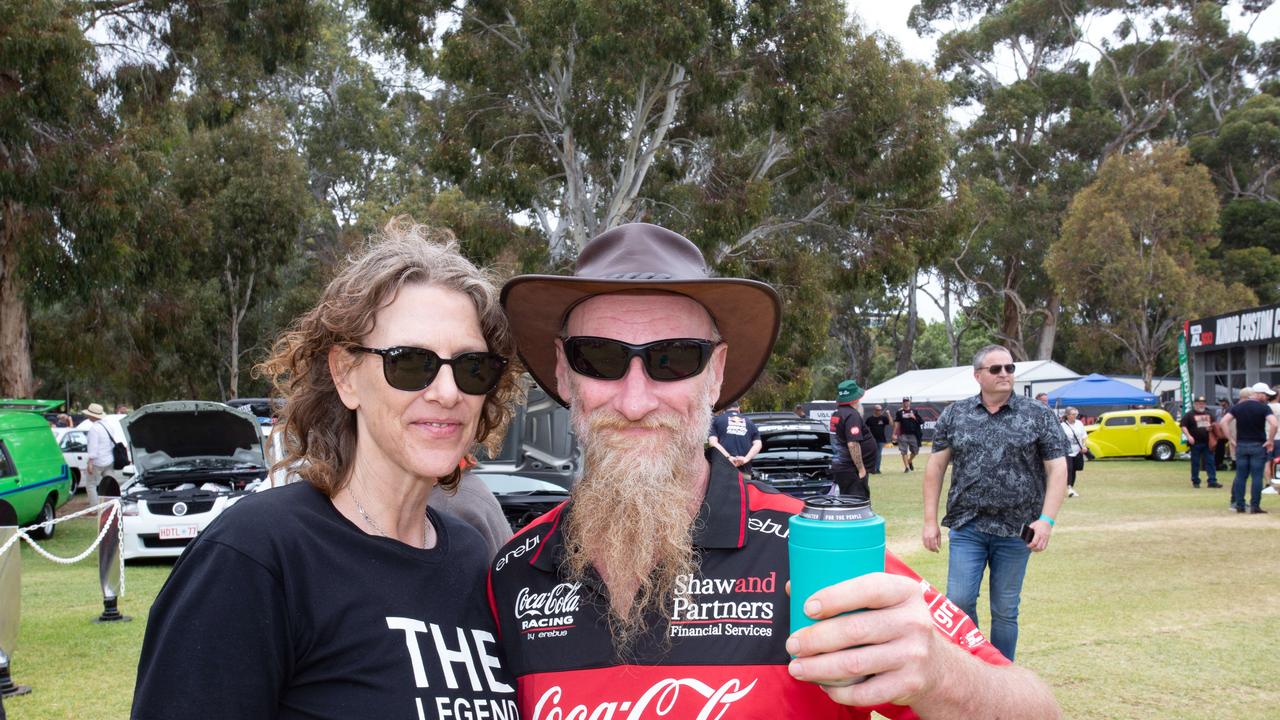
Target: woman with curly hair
[346, 596]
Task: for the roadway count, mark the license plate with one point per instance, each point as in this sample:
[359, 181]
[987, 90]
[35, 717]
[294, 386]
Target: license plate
[179, 532]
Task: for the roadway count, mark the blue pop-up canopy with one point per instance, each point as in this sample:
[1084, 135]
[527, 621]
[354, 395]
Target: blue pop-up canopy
[1098, 389]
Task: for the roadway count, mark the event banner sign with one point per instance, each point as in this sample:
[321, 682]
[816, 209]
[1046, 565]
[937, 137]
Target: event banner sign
[1185, 368]
[1237, 328]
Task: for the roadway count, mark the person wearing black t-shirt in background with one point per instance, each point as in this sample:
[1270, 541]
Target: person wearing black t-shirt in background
[344, 595]
[852, 443]
[1198, 424]
[1220, 451]
[1250, 426]
[736, 437]
[907, 434]
[878, 424]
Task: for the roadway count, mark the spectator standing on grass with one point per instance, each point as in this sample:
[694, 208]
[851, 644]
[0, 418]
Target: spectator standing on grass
[878, 424]
[1074, 431]
[1250, 427]
[1220, 447]
[100, 443]
[1009, 473]
[1269, 472]
[736, 437]
[1198, 424]
[852, 443]
[907, 434]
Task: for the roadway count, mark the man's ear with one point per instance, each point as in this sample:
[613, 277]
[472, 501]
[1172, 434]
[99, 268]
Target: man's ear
[341, 363]
[562, 370]
[719, 355]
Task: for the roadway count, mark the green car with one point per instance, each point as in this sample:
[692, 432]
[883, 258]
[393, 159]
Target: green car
[34, 479]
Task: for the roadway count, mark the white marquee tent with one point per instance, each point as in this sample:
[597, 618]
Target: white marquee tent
[944, 385]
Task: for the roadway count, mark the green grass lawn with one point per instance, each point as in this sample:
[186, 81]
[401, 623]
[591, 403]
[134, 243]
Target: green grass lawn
[1152, 601]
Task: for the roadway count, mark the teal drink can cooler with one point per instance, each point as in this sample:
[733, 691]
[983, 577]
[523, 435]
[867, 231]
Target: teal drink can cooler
[835, 538]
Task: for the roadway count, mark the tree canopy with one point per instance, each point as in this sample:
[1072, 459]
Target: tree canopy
[178, 180]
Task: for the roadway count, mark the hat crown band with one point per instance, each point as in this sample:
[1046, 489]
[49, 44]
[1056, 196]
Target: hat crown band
[638, 251]
[638, 275]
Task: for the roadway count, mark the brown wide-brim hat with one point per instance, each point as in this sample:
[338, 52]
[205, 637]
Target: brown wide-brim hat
[640, 256]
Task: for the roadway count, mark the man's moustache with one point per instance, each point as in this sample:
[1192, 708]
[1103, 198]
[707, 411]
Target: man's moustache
[614, 422]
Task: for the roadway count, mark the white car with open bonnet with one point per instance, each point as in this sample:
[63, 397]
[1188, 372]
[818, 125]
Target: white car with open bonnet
[193, 459]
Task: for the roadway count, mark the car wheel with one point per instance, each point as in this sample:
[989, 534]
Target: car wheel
[47, 514]
[1162, 451]
[75, 480]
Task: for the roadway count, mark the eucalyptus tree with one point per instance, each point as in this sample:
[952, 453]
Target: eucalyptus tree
[778, 137]
[1133, 248]
[1041, 130]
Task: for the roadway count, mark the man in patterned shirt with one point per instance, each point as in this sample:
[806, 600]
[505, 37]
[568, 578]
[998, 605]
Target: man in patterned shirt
[1008, 479]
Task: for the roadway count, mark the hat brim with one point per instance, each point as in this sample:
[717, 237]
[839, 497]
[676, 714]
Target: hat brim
[746, 312]
[93, 416]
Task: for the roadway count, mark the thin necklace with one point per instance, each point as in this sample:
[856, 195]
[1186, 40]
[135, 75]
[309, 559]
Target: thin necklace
[426, 521]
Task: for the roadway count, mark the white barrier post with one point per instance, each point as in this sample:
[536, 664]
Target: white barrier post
[10, 597]
[109, 553]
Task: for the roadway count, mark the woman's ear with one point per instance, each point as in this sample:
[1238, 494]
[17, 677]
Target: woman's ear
[341, 363]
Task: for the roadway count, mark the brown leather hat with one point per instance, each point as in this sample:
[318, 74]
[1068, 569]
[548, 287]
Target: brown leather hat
[640, 256]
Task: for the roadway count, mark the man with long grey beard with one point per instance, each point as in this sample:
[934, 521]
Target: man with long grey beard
[659, 588]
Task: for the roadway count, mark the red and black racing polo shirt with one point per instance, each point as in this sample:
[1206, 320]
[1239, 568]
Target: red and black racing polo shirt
[722, 655]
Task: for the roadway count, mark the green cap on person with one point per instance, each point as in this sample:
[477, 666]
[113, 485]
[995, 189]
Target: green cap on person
[848, 391]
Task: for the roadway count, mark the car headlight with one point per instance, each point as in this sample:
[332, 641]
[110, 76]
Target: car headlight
[129, 508]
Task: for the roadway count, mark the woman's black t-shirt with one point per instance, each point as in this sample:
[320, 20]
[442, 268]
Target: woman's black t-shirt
[285, 609]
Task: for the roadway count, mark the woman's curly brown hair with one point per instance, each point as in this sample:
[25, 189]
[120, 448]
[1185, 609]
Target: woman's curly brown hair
[320, 432]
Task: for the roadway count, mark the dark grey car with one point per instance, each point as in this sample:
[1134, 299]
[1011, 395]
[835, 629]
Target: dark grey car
[795, 456]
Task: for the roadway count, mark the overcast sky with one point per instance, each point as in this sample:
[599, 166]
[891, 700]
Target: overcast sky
[891, 18]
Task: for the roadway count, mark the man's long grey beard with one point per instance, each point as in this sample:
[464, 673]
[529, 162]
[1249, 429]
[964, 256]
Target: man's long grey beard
[632, 512]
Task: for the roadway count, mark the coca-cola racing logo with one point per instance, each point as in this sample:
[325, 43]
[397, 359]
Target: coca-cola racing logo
[550, 613]
[665, 698]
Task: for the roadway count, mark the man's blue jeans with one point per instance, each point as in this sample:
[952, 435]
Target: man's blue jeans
[1251, 459]
[1200, 453]
[879, 453]
[971, 552]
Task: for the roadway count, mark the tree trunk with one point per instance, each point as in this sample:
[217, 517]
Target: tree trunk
[1049, 333]
[238, 307]
[15, 335]
[1148, 372]
[1011, 316]
[907, 348]
[234, 373]
[953, 339]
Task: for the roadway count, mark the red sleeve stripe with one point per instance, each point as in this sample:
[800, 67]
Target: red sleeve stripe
[555, 524]
[761, 500]
[742, 515]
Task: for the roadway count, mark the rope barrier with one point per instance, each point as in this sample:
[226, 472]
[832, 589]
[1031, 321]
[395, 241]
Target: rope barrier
[114, 517]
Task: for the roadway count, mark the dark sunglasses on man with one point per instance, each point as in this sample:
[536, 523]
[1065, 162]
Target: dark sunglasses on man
[665, 360]
[413, 368]
[995, 369]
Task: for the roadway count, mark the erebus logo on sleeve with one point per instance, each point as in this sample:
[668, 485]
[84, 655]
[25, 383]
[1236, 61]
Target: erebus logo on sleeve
[665, 698]
[456, 649]
[530, 543]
